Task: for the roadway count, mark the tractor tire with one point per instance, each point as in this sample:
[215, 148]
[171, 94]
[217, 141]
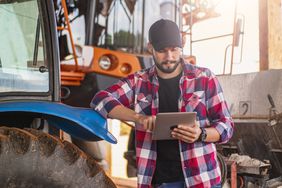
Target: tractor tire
[31, 158]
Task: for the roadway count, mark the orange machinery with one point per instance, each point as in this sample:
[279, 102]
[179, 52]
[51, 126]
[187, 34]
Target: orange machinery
[94, 59]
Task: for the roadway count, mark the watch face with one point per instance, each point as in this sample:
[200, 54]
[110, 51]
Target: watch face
[203, 135]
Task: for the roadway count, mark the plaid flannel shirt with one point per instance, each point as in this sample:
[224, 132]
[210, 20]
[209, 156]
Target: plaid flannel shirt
[200, 93]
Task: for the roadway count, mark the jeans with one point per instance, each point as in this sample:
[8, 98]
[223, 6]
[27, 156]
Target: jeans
[180, 184]
[217, 186]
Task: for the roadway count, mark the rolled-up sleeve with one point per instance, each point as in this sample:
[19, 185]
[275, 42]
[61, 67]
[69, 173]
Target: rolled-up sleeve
[218, 112]
[120, 93]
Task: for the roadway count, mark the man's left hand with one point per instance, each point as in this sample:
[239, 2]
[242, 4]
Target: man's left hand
[187, 133]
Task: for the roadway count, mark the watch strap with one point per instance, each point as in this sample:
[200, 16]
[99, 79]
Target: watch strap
[203, 135]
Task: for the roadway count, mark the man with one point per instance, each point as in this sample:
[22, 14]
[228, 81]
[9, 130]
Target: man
[171, 85]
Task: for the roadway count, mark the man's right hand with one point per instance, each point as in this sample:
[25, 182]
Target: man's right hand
[148, 122]
[125, 114]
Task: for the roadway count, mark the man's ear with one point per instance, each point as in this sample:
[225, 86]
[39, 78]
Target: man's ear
[150, 48]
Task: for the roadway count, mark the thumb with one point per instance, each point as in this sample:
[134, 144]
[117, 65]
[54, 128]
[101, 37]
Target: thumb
[196, 124]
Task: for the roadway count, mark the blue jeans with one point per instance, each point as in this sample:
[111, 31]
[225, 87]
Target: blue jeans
[180, 184]
[217, 186]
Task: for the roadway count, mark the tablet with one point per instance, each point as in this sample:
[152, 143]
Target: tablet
[165, 122]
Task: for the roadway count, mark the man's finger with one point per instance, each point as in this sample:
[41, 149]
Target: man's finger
[185, 128]
[184, 133]
[183, 137]
[154, 121]
[150, 123]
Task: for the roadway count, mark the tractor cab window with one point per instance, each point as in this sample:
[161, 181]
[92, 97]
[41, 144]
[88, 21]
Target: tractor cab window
[123, 25]
[114, 24]
[22, 64]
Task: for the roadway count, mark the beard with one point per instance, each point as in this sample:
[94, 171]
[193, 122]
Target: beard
[162, 66]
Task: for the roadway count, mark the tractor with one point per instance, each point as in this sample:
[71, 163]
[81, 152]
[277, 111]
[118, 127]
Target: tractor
[32, 117]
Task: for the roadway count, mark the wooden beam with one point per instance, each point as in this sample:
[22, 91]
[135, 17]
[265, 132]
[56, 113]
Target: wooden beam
[263, 35]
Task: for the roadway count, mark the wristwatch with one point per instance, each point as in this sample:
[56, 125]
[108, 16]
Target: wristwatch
[203, 135]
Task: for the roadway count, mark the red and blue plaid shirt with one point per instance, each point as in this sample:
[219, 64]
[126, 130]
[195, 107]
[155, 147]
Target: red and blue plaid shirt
[201, 93]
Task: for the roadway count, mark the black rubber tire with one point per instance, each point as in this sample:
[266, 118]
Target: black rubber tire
[30, 158]
[223, 168]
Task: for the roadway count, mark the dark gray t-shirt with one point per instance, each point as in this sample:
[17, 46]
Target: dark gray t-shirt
[168, 167]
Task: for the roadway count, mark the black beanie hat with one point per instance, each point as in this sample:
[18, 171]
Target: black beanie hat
[164, 33]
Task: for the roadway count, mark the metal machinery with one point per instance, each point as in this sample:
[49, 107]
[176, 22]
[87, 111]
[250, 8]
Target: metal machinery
[31, 115]
[113, 39]
[252, 158]
[101, 41]
[105, 40]
[257, 127]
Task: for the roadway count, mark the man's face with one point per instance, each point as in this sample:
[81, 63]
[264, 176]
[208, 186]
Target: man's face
[167, 59]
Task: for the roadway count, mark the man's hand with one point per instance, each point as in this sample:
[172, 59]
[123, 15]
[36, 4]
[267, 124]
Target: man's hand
[148, 122]
[187, 133]
[125, 114]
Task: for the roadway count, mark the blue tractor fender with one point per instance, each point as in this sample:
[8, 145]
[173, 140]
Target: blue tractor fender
[82, 123]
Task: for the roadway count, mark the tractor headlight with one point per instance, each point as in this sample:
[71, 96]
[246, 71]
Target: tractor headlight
[125, 68]
[105, 63]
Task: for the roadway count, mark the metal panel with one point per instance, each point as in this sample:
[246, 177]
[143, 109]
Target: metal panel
[246, 94]
[82, 123]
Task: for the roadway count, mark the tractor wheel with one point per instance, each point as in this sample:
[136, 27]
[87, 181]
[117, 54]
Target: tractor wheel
[31, 158]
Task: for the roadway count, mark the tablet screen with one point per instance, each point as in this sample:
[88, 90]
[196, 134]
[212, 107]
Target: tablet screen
[165, 122]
